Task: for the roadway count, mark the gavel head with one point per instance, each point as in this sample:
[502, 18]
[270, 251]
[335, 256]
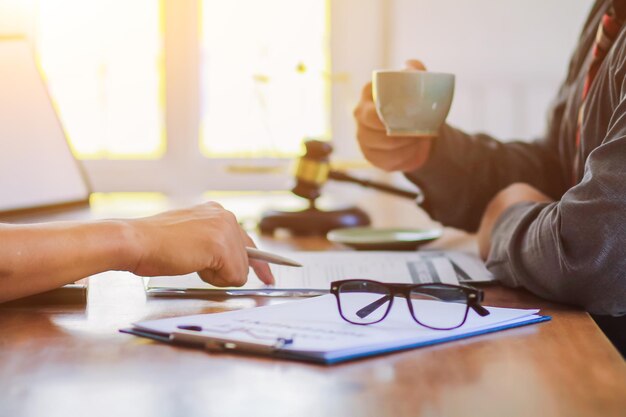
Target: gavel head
[312, 169]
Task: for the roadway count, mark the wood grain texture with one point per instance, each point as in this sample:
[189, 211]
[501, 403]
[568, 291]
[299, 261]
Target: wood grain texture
[71, 361]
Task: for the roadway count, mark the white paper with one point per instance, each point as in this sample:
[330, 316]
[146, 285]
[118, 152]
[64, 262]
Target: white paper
[321, 268]
[318, 330]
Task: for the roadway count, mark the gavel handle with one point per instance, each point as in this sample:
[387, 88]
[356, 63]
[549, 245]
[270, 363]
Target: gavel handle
[342, 176]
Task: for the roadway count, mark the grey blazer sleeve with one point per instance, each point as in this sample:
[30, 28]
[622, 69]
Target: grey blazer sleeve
[464, 172]
[573, 250]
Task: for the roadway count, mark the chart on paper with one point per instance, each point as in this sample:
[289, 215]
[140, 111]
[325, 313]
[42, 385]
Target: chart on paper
[321, 268]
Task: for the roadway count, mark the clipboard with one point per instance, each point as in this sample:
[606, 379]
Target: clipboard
[200, 331]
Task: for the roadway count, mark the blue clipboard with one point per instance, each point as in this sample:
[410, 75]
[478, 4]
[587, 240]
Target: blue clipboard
[273, 350]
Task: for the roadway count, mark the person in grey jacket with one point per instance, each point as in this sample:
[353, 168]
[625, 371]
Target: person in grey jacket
[551, 214]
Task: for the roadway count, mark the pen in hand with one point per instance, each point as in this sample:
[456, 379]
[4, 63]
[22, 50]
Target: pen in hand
[271, 258]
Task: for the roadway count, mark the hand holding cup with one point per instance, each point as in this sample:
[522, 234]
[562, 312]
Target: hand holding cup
[412, 105]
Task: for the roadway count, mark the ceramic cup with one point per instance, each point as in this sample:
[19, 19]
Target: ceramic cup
[411, 102]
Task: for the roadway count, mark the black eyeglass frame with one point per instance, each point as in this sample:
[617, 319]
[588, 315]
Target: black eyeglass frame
[474, 297]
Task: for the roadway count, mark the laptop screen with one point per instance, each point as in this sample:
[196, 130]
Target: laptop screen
[37, 168]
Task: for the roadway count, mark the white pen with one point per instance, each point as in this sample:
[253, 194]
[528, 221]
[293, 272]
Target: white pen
[271, 258]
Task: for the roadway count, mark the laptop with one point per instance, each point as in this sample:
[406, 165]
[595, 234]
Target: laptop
[37, 168]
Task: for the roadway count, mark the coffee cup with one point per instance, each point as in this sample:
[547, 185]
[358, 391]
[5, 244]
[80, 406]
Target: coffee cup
[412, 102]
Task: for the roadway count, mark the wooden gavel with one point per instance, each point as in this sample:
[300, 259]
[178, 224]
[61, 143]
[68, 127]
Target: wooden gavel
[313, 170]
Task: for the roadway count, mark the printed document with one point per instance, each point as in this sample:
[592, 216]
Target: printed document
[321, 268]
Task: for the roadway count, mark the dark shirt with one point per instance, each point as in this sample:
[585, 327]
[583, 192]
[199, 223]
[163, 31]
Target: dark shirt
[574, 249]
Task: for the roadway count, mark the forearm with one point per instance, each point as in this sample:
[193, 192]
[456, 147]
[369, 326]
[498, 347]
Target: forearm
[473, 168]
[36, 258]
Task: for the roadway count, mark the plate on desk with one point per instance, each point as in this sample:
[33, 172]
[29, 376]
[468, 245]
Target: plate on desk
[369, 238]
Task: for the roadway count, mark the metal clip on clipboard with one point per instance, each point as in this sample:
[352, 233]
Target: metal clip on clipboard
[219, 344]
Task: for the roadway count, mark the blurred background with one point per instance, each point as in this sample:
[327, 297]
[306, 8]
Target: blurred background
[184, 96]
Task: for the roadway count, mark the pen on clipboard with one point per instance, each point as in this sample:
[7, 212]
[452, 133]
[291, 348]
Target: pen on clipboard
[271, 258]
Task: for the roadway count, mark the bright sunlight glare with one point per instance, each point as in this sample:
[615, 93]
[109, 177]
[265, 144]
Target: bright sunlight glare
[265, 83]
[103, 63]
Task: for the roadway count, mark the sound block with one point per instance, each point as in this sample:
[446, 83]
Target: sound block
[312, 221]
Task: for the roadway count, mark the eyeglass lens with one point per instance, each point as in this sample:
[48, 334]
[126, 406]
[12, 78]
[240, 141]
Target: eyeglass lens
[429, 310]
[357, 295]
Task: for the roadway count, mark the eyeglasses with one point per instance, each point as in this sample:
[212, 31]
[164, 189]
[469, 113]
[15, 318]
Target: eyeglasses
[363, 302]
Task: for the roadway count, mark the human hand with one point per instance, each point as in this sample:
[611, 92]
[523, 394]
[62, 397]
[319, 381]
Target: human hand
[513, 194]
[206, 239]
[390, 153]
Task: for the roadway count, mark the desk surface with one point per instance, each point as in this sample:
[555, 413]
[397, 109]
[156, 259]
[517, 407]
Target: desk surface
[71, 361]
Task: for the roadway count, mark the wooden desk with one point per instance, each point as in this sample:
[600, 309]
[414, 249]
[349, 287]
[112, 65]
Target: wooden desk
[71, 361]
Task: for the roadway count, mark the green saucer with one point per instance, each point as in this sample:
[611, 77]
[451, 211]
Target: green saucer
[368, 238]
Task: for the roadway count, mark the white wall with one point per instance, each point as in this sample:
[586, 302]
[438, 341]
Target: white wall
[509, 56]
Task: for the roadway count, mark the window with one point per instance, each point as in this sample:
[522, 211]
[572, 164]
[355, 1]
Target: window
[188, 96]
[265, 76]
[104, 64]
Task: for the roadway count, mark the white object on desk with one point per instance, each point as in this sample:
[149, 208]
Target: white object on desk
[36, 165]
[321, 268]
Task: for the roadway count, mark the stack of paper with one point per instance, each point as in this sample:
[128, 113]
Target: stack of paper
[319, 334]
[320, 268]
